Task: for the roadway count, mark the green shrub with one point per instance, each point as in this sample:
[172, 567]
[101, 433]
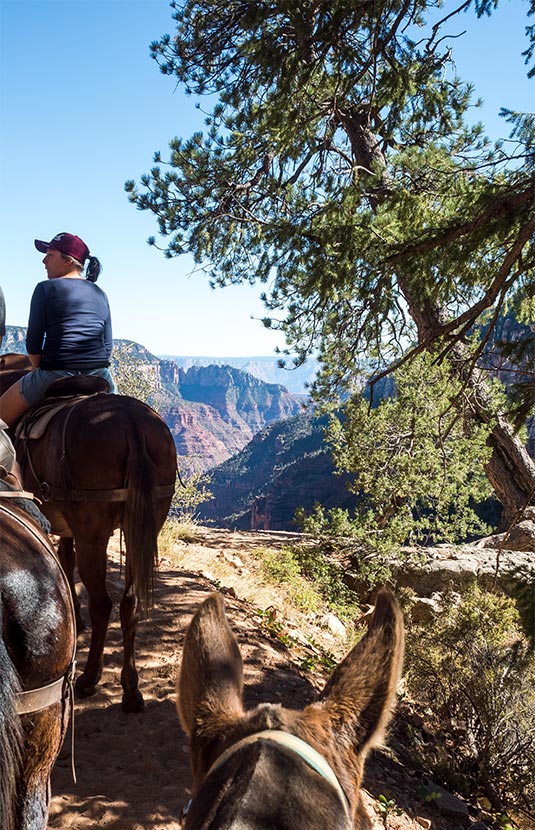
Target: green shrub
[314, 580]
[328, 579]
[523, 590]
[475, 673]
[282, 568]
[336, 532]
[190, 492]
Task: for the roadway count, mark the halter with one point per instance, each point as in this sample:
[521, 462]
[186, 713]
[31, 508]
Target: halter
[299, 747]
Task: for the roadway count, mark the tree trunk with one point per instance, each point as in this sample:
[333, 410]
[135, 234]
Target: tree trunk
[510, 470]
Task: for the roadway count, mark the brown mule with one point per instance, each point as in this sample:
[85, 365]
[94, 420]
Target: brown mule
[279, 768]
[101, 462]
[37, 642]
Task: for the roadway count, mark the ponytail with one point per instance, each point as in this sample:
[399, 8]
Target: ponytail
[93, 269]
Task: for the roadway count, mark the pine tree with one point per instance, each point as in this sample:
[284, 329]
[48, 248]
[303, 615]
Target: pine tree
[337, 168]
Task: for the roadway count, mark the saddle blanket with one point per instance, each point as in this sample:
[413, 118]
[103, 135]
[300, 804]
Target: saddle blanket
[34, 424]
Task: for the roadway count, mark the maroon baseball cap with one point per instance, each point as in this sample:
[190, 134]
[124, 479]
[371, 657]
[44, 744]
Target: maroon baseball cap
[67, 243]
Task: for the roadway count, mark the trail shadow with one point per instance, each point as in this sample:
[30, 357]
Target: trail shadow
[133, 769]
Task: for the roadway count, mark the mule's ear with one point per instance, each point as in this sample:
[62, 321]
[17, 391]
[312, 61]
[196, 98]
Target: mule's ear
[211, 676]
[361, 691]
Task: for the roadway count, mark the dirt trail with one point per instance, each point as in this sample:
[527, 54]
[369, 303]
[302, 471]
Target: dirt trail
[133, 770]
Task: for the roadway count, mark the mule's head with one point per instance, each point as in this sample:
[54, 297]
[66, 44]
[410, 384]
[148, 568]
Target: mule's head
[259, 782]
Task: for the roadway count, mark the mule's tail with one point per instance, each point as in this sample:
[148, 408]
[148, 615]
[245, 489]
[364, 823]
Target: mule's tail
[140, 526]
[11, 736]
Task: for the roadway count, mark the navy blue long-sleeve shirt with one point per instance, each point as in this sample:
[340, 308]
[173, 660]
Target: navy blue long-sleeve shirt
[70, 325]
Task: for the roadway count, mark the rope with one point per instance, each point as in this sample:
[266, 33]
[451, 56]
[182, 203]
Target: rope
[17, 494]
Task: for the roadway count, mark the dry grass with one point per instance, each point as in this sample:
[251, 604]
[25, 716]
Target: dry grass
[244, 563]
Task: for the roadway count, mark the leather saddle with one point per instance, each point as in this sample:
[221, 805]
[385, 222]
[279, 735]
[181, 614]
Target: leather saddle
[14, 360]
[60, 393]
[73, 385]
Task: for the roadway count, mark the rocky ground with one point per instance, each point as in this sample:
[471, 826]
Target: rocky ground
[132, 770]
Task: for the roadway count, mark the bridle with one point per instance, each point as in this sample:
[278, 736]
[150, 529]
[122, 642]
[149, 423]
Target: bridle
[296, 745]
[62, 689]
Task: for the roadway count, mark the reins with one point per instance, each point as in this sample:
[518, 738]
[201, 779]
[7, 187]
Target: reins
[296, 745]
[62, 689]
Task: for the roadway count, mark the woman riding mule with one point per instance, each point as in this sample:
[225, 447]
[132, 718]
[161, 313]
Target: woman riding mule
[99, 462]
[69, 328]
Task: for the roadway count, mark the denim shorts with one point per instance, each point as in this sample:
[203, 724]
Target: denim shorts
[35, 383]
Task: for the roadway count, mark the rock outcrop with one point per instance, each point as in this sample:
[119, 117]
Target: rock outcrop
[434, 570]
[241, 399]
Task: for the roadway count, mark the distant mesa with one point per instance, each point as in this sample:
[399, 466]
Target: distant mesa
[296, 380]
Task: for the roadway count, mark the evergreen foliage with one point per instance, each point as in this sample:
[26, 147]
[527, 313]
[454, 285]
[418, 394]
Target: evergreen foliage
[337, 168]
[128, 372]
[417, 466]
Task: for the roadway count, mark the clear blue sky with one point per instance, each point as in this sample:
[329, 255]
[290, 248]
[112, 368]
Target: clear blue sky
[83, 108]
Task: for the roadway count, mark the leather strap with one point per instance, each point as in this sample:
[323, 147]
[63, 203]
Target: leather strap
[36, 699]
[47, 492]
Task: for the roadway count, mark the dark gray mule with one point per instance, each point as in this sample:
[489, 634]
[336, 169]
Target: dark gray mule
[279, 769]
[37, 643]
[99, 462]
